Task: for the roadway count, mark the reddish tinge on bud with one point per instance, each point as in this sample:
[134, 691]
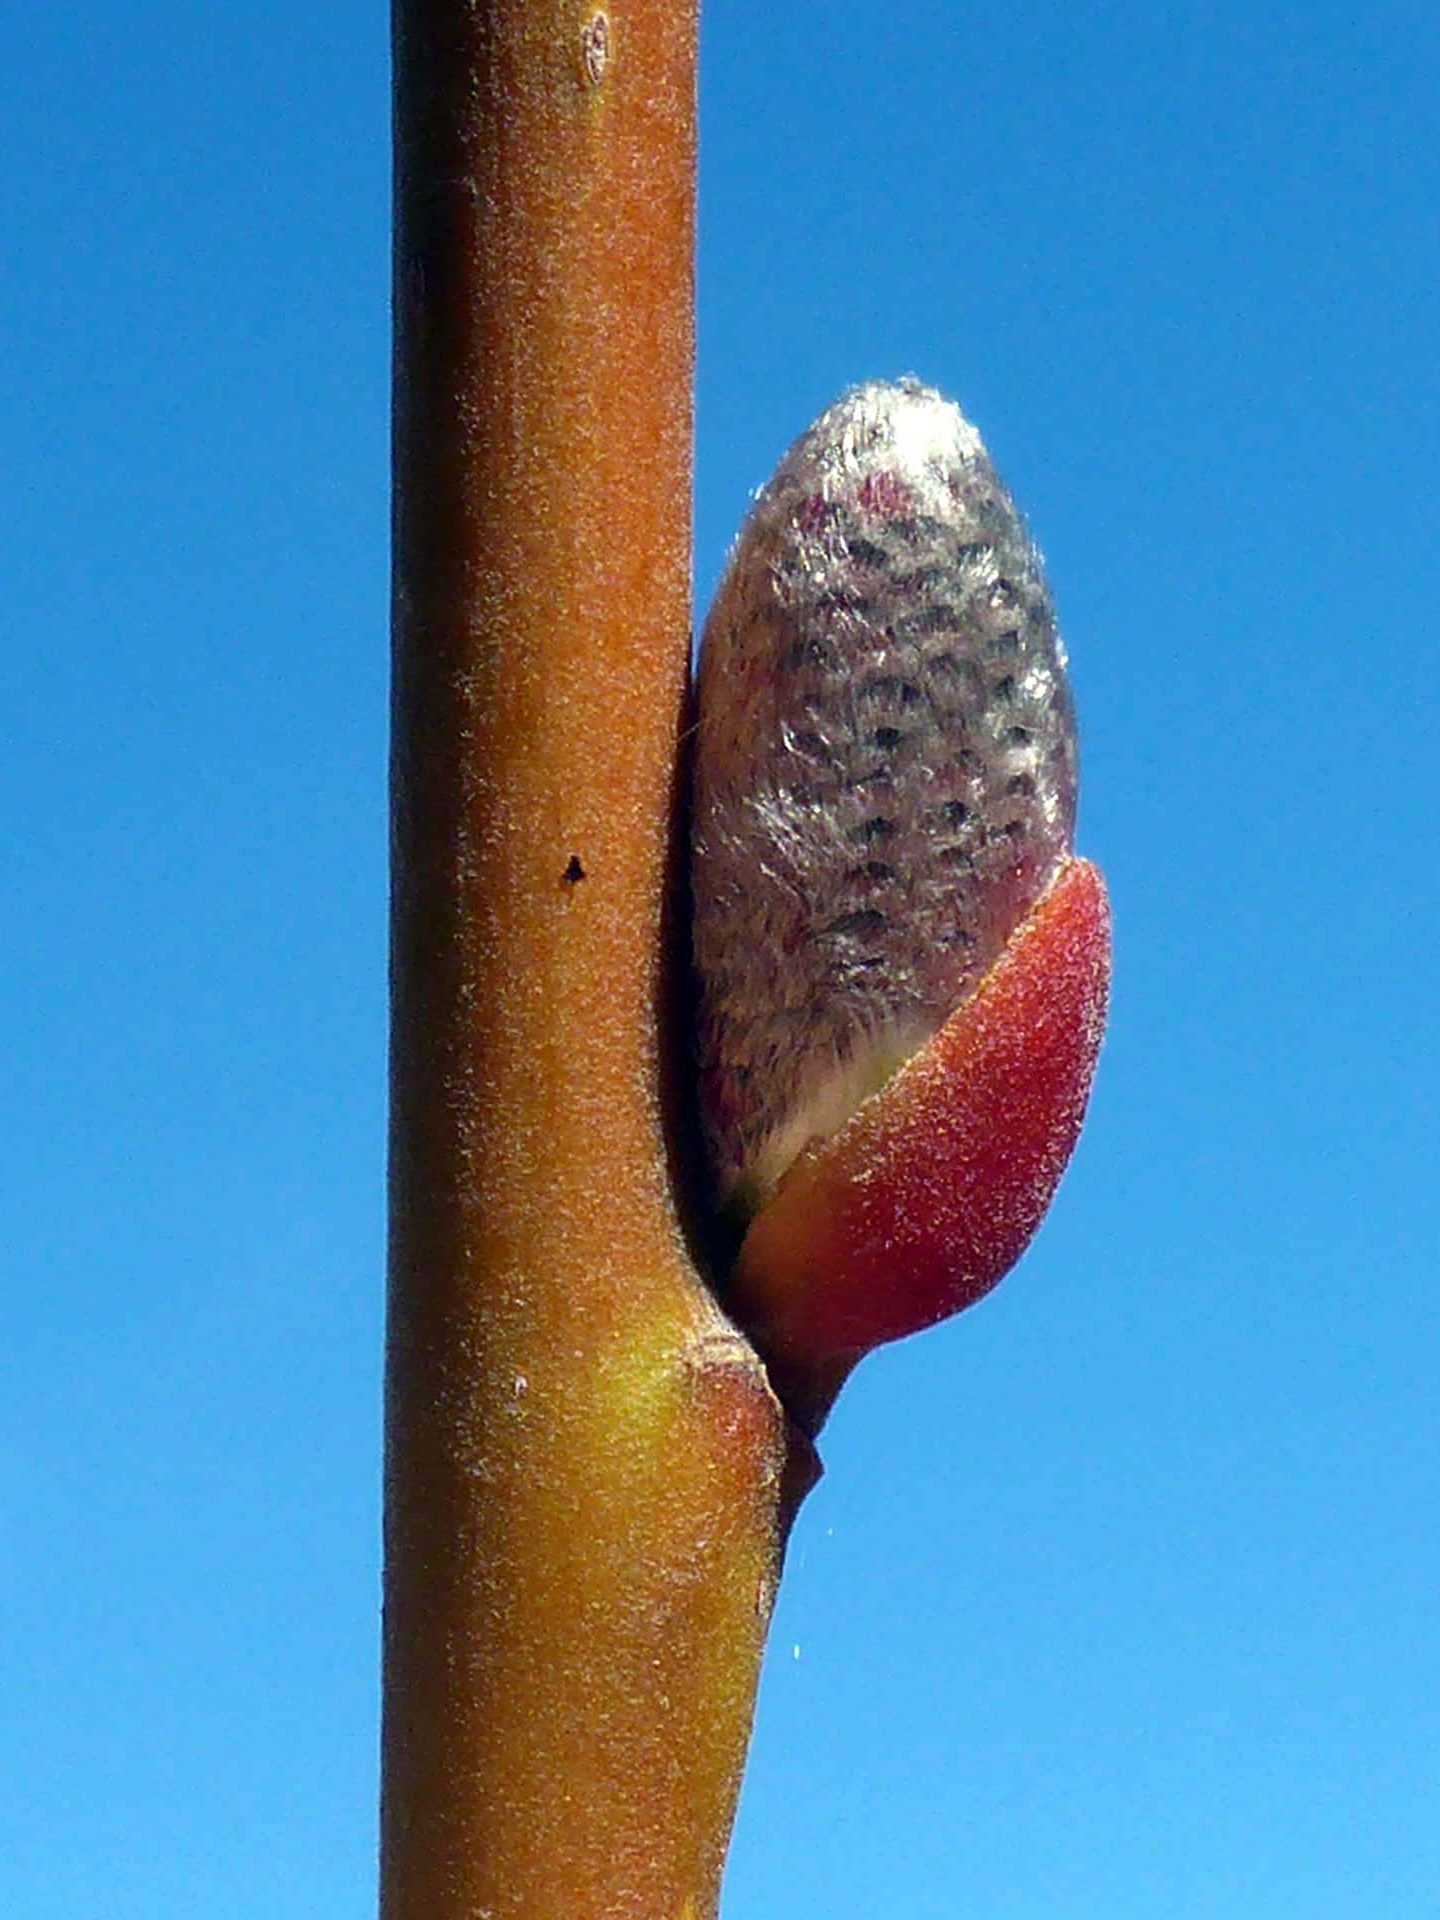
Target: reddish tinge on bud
[885, 786]
[934, 1187]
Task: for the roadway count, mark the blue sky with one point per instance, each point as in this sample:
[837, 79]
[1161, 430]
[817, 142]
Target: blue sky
[1119, 1596]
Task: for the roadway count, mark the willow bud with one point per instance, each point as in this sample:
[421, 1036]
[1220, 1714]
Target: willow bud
[885, 774]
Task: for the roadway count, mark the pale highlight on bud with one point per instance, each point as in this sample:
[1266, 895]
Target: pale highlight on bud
[885, 773]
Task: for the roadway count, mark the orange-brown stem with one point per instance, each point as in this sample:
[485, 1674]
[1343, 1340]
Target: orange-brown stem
[582, 1459]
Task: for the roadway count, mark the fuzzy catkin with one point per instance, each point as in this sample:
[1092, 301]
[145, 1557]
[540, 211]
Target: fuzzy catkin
[885, 770]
